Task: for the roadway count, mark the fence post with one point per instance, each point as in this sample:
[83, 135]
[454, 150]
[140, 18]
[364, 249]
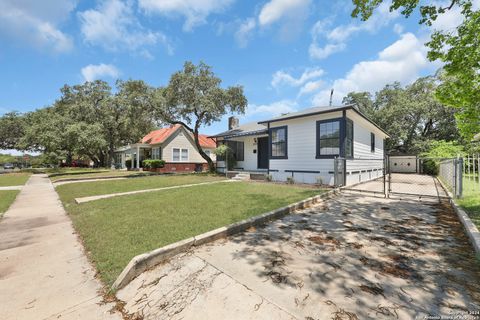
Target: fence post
[459, 178]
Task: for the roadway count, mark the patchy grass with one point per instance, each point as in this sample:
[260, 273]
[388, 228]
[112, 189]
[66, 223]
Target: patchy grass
[470, 200]
[86, 174]
[69, 192]
[6, 199]
[13, 179]
[115, 230]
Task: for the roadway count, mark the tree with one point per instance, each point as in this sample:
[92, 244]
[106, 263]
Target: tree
[411, 115]
[459, 50]
[194, 98]
[363, 100]
[12, 127]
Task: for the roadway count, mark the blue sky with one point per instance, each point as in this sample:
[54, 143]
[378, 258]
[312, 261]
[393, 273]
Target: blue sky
[287, 54]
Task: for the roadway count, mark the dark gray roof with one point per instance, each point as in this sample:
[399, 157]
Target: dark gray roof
[247, 129]
[306, 112]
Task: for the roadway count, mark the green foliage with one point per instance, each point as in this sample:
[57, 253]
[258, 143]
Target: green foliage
[459, 50]
[430, 166]
[444, 149]
[411, 115]
[12, 126]
[194, 98]
[225, 152]
[153, 163]
[290, 180]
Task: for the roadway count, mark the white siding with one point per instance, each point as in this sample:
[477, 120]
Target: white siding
[250, 156]
[301, 146]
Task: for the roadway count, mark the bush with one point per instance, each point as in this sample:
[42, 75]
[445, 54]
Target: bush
[430, 167]
[290, 180]
[153, 163]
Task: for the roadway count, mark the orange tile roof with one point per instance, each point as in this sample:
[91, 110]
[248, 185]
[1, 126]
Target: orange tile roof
[160, 135]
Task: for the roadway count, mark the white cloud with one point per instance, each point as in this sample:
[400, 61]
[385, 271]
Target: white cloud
[113, 25]
[402, 61]
[276, 10]
[194, 11]
[336, 38]
[281, 77]
[37, 23]
[311, 86]
[93, 72]
[398, 28]
[244, 32]
[274, 109]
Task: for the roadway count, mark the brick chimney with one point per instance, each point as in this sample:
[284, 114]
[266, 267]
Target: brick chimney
[233, 123]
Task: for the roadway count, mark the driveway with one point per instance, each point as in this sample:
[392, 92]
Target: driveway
[44, 273]
[354, 257]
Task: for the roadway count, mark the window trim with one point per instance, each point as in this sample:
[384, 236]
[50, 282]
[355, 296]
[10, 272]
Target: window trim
[180, 154]
[341, 138]
[270, 142]
[372, 142]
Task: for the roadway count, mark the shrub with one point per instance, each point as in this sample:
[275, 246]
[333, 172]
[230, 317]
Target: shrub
[268, 177]
[290, 180]
[153, 163]
[430, 167]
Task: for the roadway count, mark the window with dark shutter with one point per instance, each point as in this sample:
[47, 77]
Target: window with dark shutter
[372, 142]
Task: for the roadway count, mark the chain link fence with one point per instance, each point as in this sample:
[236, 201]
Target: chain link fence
[471, 174]
[450, 172]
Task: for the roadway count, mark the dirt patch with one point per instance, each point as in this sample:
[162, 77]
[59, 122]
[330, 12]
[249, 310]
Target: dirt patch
[329, 242]
[372, 288]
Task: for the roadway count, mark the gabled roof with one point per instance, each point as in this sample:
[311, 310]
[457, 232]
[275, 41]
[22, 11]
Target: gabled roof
[161, 135]
[321, 110]
[251, 128]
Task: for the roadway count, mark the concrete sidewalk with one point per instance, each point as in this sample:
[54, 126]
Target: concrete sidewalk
[44, 273]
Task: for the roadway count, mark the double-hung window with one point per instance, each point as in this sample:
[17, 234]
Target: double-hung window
[335, 138]
[328, 133]
[179, 155]
[156, 153]
[279, 143]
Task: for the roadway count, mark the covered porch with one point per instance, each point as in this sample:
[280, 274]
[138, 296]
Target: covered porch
[134, 153]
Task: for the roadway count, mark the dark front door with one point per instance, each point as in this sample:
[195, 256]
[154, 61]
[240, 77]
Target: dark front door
[262, 153]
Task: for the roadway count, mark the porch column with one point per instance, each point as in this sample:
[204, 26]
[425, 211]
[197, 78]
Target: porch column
[138, 157]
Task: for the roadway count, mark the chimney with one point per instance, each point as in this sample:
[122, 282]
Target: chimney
[233, 123]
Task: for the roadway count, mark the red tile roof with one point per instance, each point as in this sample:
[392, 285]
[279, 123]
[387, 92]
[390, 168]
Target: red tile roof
[160, 135]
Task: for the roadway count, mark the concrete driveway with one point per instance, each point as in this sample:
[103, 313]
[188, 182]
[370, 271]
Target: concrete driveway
[354, 257]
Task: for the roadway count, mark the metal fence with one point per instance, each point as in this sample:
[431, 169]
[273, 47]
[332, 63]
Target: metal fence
[450, 172]
[471, 174]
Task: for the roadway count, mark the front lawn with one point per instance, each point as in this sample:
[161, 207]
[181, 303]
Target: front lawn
[470, 200]
[68, 192]
[88, 174]
[6, 199]
[115, 230]
[13, 179]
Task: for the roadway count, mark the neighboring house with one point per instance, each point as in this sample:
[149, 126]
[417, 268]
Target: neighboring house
[175, 145]
[303, 145]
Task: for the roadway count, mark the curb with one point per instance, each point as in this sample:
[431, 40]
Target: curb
[470, 228]
[102, 178]
[145, 261]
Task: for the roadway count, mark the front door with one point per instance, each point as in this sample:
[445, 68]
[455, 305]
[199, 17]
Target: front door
[262, 153]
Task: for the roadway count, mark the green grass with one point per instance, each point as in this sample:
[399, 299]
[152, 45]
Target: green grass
[470, 200]
[115, 230]
[13, 179]
[6, 199]
[79, 175]
[68, 192]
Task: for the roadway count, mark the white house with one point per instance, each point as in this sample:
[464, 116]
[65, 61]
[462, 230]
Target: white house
[304, 145]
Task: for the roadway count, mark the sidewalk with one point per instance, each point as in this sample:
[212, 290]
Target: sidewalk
[44, 273]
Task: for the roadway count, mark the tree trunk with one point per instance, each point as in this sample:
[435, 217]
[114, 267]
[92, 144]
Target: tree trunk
[211, 165]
